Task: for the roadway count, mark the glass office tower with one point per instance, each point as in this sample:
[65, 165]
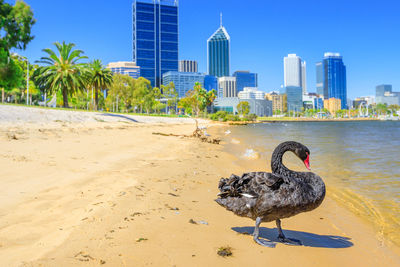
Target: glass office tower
[335, 78]
[218, 53]
[210, 83]
[155, 38]
[294, 98]
[320, 78]
[245, 79]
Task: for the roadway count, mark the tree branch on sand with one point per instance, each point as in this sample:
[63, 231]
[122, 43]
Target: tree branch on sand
[197, 133]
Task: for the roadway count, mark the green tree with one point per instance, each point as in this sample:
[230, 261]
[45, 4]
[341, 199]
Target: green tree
[99, 78]
[141, 87]
[169, 92]
[15, 32]
[63, 72]
[120, 93]
[15, 24]
[243, 108]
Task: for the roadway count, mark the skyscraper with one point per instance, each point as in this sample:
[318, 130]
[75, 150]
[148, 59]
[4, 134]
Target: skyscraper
[295, 72]
[303, 77]
[245, 79]
[210, 83]
[218, 52]
[292, 70]
[320, 78]
[188, 66]
[155, 38]
[335, 78]
[294, 98]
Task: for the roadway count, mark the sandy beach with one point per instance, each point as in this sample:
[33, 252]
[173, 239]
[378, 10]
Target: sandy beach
[88, 189]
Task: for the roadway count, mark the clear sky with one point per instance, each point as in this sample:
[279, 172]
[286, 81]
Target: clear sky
[366, 33]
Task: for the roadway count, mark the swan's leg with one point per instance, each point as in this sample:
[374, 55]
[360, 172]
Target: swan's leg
[283, 239]
[256, 238]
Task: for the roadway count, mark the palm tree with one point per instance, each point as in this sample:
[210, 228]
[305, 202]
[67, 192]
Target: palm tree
[63, 72]
[99, 78]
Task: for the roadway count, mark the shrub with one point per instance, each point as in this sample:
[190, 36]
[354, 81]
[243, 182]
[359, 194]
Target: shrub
[231, 117]
[250, 117]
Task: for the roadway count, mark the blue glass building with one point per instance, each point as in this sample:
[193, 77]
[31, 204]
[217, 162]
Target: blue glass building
[155, 37]
[318, 103]
[245, 79]
[335, 78]
[210, 82]
[218, 53]
[294, 96]
[183, 81]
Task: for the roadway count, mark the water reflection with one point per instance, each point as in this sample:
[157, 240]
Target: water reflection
[360, 162]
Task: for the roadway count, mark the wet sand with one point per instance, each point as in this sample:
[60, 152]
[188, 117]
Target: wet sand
[113, 194]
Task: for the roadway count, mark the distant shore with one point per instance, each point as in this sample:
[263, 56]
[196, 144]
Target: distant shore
[79, 189]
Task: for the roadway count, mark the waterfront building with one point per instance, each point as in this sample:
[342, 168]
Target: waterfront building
[218, 53]
[309, 101]
[155, 38]
[125, 68]
[335, 78]
[385, 95]
[251, 93]
[333, 104]
[303, 77]
[294, 98]
[318, 103]
[227, 87]
[210, 83]
[320, 78]
[260, 107]
[279, 101]
[245, 79]
[188, 66]
[183, 81]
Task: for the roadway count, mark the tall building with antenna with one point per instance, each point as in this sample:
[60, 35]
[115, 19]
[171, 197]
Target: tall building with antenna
[218, 52]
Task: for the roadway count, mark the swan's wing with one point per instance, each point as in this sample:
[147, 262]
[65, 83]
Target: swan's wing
[264, 180]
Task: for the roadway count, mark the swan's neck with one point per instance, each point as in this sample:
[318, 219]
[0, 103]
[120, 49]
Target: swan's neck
[277, 165]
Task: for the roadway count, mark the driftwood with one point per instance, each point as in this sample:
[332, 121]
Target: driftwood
[198, 133]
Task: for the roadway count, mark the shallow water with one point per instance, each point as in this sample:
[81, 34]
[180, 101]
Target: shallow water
[359, 161]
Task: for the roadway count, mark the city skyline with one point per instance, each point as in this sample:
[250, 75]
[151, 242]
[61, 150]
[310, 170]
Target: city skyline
[370, 61]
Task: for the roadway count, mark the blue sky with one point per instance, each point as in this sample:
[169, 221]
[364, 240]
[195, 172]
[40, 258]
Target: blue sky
[366, 33]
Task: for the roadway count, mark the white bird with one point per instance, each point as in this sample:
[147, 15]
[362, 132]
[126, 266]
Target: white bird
[227, 132]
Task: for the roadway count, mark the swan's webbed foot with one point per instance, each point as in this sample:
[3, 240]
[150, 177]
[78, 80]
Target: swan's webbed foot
[256, 238]
[283, 239]
[264, 242]
[289, 241]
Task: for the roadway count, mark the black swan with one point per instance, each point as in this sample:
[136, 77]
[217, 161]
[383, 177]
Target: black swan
[266, 197]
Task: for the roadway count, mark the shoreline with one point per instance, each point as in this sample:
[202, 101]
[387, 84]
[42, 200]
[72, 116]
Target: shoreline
[113, 193]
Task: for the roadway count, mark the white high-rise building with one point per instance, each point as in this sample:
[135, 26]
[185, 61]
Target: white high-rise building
[292, 70]
[251, 93]
[227, 87]
[303, 77]
[295, 72]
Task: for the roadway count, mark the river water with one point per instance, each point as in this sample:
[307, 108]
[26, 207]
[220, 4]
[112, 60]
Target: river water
[359, 162]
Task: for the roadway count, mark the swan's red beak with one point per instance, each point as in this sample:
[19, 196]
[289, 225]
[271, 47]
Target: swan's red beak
[307, 162]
